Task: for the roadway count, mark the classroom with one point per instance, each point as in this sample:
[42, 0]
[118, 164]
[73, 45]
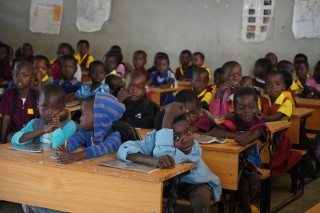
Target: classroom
[223, 36]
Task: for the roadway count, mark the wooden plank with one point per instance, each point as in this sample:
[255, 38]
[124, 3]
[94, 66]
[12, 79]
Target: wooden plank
[229, 147]
[315, 209]
[313, 122]
[156, 92]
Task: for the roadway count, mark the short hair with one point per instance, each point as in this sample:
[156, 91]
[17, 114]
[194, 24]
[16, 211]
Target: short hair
[115, 48]
[141, 52]
[5, 47]
[68, 57]
[186, 96]
[303, 62]
[25, 45]
[199, 54]
[197, 71]
[68, 46]
[188, 52]
[108, 80]
[217, 74]
[272, 54]
[135, 74]
[301, 55]
[163, 57]
[244, 78]
[242, 91]
[23, 62]
[265, 64]
[83, 41]
[158, 119]
[282, 65]
[116, 54]
[53, 89]
[41, 57]
[287, 78]
[276, 73]
[226, 67]
[95, 63]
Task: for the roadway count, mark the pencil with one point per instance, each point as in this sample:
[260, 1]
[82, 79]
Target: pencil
[65, 143]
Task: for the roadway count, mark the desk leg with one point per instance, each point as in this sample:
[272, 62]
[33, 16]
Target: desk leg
[232, 201]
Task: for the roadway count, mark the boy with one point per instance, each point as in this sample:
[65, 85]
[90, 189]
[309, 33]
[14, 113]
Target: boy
[172, 142]
[41, 67]
[5, 68]
[183, 72]
[111, 61]
[98, 113]
[217, 75]
[273, 59]
[198, 60]
[67, 67]
[288, 66]
[200, 81]
[139, 111]
[139, 60]
[48, 128]
[115, 83]
[27, 52]
[19, 103]
[302, 72]
[83, 57]
[261, 68]
[299, 57]
[245, 127]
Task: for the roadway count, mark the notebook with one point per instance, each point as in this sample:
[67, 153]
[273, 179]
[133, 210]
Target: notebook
[32, 147]
[138, 167]
[205, 139]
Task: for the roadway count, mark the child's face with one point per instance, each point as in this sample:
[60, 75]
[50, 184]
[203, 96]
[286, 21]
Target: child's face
[274, 85]
[200, 82]
[40, 66]
[27, 51]
[50, 106]
[247, 83]
[258, 71]
[301, 71]
[136, 88]
[62, 50]
[272, 58]
[196, 60]
[234, 75]
[185, 59]
[23, 76]
[116, 82]
[97, 74]
[182, 136]
[246, 108]
[162, 66]
[3, 54]
[110, 63]
[193, 112]
[139, 61]
[83, 48]
[68, 68]
[86, 119]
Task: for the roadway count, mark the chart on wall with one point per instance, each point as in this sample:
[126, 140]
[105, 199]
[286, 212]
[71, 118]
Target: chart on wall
[91, 14]
[45, 16]
[306, 19]
[256, 18]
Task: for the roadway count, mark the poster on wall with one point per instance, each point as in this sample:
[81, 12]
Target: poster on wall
[306, 19]
[45, 16]
[256, 18]
[91, 14]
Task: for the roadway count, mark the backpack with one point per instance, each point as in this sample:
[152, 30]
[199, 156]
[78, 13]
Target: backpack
[126, 131]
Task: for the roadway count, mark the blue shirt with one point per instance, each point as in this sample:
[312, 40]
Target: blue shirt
[158, 80]
[84, 90]
[70, 86]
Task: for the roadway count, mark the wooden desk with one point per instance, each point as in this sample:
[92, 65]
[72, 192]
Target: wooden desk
[277, 126]
[315, 209]
[156, 92]
[72, 109]
[85, 78]
[313, 122]
[143, 132]
[35, 179]
[4, 84]
[184, 85]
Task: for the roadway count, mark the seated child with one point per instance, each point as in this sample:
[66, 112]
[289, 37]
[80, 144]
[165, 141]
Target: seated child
[139, 111]
[115, 83]
[299, 57]
[200, 120]
[217, 75]
[67, 67]
[83, 57]
[63, 49]
[302, 72]
[221, 103]
[172, 142]
[41, 67]
[96, 74]
[120, 68]
[5, 68]
[198, 60]
[27, 52]
[98, 113]
[19, 103]
[154, 68]
[273, 59]
[200, 81]
[288, 66]
[313, 83]
[48, 128]
[275, 106]
[245, 127]
[163, 78]
[139, 60]
[261, 68]
[183, 72]
[111, 61]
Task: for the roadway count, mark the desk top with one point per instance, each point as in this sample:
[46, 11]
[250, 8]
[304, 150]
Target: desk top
[301, 112]
[277, 126]
[143, 132]
[308, 102]
[44, 159]
[73, 108]
[159, 90]
[4, 84]
[230, 146]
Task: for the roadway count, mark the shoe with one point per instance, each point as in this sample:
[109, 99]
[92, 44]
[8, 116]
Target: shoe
[254, 209]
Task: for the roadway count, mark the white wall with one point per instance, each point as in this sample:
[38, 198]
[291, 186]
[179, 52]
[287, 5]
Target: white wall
[165, 25]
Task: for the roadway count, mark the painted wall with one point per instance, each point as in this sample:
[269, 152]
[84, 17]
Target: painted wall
[210, 26]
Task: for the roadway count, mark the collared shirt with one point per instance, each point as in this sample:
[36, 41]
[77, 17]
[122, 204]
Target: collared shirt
[208, 69]
[160, 80]
[70, 86]
[85, 90]
[77, 56]
[207, 96]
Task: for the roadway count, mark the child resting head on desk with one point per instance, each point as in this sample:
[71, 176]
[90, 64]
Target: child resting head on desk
[98, 113]
[245, 127]
[49, 128]
[172, 142]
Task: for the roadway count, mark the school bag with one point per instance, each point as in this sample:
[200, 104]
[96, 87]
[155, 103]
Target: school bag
[126, 131]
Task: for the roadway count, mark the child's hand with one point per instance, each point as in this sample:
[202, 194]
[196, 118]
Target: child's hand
[123, 95]
[53, 125]
[38, 76]
[165, 161]
[175, 109]
[241, 140]
[227, 84]
[65, 157]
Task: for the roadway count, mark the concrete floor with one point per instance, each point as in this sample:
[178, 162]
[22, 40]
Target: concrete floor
[280, 191]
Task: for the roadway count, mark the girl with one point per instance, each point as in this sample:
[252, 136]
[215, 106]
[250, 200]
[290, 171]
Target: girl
[313, 82]
[41, 67]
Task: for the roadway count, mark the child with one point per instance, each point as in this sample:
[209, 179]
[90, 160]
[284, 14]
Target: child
[245, 127]
[120, 68]
[172, 142]
[221, 103]
[139, 111]
[246, 82]
[111, 61]
[200, 120]
[299, 57]
[98, 113]
[5, 68]
[217, 75]
[275, 106]
[288, 66]
[139, 60]
[20, 103]
[41, 67]
[163, 78]
[115, 83]
[313, 82]
[198, 60]
[154, 68]
[273, 59]
[48, 128]
[63, 49]
[96, 74]
[302, 72]
[200, 81]
[27, 51]
[67, 67]
[83, 57]
[183, 73]
[261, 68]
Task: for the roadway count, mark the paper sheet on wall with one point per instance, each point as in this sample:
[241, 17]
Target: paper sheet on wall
[91, 14]
[256, 19]
[45, 16]
[306, 19]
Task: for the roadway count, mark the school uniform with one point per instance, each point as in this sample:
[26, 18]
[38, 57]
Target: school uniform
[259, 85]
[6, 71]
[56, 75]
[187, 74]
[85, 90]
[206, 95]
[70, 86]
[161, 80]
[205, 121]
[85, 60]
[145, 73]
[208, 69]
[223, 105]
[311, 82]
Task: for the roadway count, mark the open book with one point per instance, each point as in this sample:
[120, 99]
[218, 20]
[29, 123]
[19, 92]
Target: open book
[32, 147]
[138, 167]
[204, 139]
